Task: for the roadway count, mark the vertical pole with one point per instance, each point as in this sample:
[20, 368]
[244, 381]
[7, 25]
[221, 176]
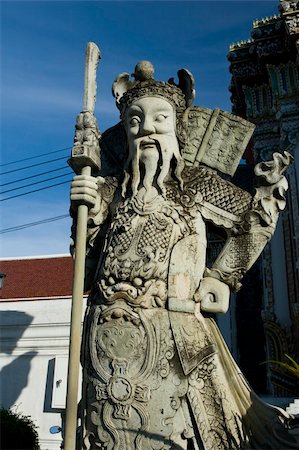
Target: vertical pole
[75, 331]
[85, 159]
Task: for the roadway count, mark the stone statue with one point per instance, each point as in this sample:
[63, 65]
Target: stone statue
[157, 373]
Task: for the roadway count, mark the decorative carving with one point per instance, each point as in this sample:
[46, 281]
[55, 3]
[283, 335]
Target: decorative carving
[288, 6]
[87, 131]
[271, 189]
[86, 147]
[269, 47]
[259, 101]
[242, 250]
[293, 24]
[245, 69]
[194, 343]
[284, 79]
[216, 138]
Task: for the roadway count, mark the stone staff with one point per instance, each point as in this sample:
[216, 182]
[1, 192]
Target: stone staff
[85, 158]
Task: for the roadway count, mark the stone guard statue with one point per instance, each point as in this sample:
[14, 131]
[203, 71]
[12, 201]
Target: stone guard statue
[157, 372]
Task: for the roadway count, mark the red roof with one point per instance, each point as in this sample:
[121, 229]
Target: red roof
[37, 277]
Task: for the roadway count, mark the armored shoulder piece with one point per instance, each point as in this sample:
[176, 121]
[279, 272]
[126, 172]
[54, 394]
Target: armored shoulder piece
[216, 191]
[218, 200]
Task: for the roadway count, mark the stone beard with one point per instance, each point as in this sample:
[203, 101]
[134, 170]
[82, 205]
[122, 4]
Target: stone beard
[150, 124]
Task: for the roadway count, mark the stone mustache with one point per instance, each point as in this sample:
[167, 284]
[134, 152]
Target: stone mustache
[156, 371]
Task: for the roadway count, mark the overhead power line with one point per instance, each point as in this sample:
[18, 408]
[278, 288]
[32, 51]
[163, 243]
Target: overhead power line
[34, 176]
[33, 165]
[36, 190]
[37, 182]
[34, 157]
[33, 224]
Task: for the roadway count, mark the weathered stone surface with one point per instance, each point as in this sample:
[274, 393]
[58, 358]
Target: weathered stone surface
[157, 373]
[215, 138]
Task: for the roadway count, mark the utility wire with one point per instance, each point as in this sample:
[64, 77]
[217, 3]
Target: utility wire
[33, 165]
[36, 190]
[32, 224]
[37, 182]
[34, 176]
[34, 157]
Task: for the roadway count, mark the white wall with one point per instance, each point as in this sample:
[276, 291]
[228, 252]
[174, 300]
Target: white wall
[33, 334]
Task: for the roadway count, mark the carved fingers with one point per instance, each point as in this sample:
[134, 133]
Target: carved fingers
[213, 295]
[84, 190]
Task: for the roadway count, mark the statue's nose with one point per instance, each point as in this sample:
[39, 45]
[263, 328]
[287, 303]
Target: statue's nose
[147, 126]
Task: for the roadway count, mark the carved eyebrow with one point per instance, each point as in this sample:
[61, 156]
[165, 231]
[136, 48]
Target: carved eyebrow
[162, 109]
[135, 109]
[162, 112]
[158, 109]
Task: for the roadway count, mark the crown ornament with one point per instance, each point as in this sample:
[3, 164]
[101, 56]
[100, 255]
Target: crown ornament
[127, 91]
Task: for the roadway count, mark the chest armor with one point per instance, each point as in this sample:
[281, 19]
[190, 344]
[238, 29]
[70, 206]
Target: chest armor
[138, 248]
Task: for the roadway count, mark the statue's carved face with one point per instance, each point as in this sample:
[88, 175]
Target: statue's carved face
[149, 116]
[151, 132]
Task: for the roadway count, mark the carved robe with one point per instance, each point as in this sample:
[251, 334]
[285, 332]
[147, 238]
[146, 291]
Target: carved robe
[157, 373]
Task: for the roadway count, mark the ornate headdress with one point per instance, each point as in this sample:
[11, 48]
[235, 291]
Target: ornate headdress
[126, 91]
[206, 136]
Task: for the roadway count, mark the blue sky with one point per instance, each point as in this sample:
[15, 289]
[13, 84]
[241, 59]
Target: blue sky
[42, 67]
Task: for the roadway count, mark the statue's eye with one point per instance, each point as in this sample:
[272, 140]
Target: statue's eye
[161, 117]
[135, 121]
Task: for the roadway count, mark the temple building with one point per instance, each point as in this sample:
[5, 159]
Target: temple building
[265, 91]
